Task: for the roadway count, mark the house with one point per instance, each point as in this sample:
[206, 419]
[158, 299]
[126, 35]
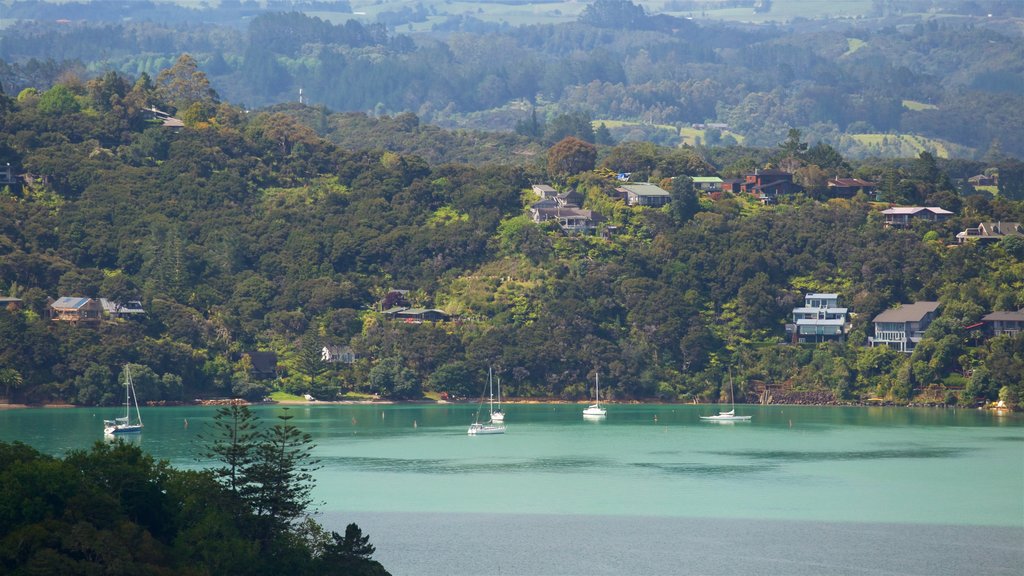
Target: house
[767, 185]
[569, 198]
[901, 216]
[10, 303]
[901, 328]
[849, 187]
[707, 183]
[819, 319]
[113, 309]
[543, 191]
[417, 315]
[76, 309]
[990, 232]
[733, 185]
[570, 219]
[644, 194]
[983, 180]
[335, 354]
[263, 364]
[1005, 322]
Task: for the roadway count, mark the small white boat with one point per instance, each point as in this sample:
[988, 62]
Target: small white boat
[124, 425]
[595, 410]
[496, 414]
[477, 428]
[729, 416]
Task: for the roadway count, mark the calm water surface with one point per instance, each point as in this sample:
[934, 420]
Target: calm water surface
[650, 489]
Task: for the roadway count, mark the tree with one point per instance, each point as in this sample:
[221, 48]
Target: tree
[571, 156]
[10, 378]
[58, 100]
[278, 482]
[184, 84]
[232, 442]
[310, 358]
[684, 199]
[391, 379]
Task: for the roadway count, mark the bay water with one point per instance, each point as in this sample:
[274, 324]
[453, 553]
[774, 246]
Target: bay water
[649, 489]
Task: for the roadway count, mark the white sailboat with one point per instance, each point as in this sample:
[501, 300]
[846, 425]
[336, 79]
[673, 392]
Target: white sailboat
[125, 425]
[595, 409]
[491, 427]
[496, 415]
[729, 416]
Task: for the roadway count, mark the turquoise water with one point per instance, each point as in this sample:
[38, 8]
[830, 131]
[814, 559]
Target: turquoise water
[941, 487]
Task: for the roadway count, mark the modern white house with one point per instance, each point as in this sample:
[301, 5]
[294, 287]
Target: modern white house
[821, 318]
[901, 328]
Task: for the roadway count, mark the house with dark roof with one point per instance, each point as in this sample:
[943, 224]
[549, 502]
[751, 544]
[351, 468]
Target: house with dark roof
[570, 219]
[849, 187]
[264, 364]
[76, 309]
[903, 216]
[819, 319]
[901, 328]
[1004, 322]
[990, 232]
[768, 184]
[644, 194]
[416, 315]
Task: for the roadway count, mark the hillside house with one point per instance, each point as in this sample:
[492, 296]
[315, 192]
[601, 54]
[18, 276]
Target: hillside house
[903, 327]
[543, 191]
[76, 309]
[707, 183]
[1003, 322]
[767, 185]
[569, 198]
[570, 219]
[849, 187]
[263, 364]
[819, 319]
[10, 303]
[990, 232]
[416, 315]
[903, 216]
[129, 309]
[982, 180]
[644, 194]
[337, 354]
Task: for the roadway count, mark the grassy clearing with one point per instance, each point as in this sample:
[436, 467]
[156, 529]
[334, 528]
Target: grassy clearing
[918, 106]
[854, 44]
[905, 145]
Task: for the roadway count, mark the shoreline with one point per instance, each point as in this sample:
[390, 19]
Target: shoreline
[378, 402]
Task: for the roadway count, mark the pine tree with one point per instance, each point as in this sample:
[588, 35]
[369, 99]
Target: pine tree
[279, 482]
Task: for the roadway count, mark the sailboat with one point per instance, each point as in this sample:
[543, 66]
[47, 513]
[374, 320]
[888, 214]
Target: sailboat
[125, 425]
[491, 427]
[595, 410]
[729, 416]
[496, 415]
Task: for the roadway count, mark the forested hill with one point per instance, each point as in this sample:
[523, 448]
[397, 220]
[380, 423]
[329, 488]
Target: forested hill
[904, 76]
[243, 231]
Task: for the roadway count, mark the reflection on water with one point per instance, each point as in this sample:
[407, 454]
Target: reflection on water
[688, 469]
[795, 456]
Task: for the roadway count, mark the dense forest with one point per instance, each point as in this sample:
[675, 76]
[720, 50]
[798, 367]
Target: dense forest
[255, 230]
[904, 76]
[115, 510]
